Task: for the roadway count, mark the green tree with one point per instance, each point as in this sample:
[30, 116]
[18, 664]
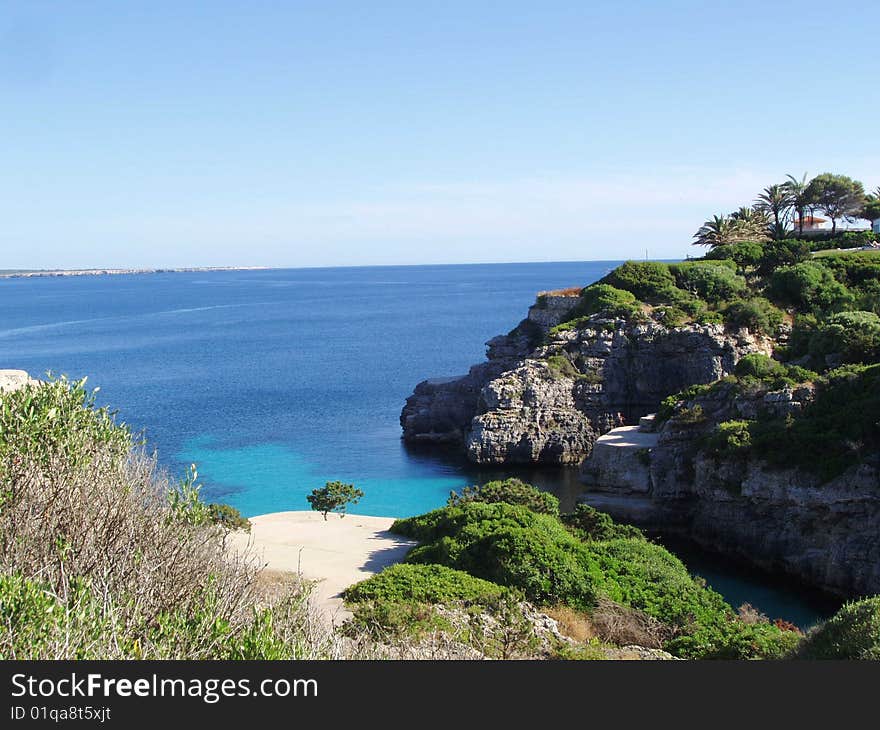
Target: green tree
[871, 209]
[720, 230]
[800, 203]
[334, 497]
[776, 201]
[838, 195]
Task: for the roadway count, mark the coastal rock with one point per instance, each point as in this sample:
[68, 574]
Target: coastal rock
[544, 397]
[530, 415]
[551, 308]
[781, 520]
[440, 410]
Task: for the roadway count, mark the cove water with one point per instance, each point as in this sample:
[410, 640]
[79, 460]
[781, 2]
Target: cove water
[276, 381]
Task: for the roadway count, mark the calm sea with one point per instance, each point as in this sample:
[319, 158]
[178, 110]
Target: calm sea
[276, 381]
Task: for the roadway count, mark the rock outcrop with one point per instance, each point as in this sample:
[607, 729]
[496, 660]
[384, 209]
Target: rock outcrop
[782, 520]
[545, 396]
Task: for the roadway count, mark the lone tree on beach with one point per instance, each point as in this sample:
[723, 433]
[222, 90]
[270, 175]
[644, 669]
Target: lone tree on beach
[334, 497]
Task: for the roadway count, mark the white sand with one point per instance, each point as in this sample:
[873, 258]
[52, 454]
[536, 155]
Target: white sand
[338, 552]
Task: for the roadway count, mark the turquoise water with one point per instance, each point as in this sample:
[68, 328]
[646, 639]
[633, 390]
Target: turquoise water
[276, 381]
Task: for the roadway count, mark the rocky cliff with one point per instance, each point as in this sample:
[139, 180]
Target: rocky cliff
[784, 520]
[545, 395]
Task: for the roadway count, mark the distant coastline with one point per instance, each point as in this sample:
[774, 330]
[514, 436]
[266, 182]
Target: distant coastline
[114, 272]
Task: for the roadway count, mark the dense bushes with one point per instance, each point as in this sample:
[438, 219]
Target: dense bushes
[809, 285]
[424, 584]
[587, 523]
[711, 282]
[506, 544]
[759, 366]
[835, 431]
[852, 633]
[854, 336]
[607, 299]
[764, 256]
[591, 561]
[756, 314]
[650, 281]
[101, 556]
[511, 491]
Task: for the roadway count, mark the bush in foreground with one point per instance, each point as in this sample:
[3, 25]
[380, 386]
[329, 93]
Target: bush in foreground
[103, 557]
[852, 633]
[407, 582]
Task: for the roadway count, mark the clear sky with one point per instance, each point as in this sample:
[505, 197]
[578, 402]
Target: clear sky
[344, 133]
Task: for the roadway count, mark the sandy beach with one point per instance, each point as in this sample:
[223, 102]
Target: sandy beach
[336, 553]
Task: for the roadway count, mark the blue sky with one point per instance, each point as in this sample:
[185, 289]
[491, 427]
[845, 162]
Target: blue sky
[346, 133]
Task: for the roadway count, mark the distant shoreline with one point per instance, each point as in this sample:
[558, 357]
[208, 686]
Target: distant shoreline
[117, 272]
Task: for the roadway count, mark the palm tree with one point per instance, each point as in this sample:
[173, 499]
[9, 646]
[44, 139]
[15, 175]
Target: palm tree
[775, 201]
[797, 191]
[751, 223]
[717, 231]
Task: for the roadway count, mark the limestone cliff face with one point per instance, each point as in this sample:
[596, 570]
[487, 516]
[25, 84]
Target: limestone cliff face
[545, 399]
[783, 520]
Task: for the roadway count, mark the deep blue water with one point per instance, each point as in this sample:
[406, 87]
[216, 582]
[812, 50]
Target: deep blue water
[276, 381]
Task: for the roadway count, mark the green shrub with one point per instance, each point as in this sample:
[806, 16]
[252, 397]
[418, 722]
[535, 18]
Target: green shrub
[587, 523]
[712, 282]
[756, 314]
[852, 633]
[734, 639]
[835, 431]
[545, 567]
[745, 254]
[853, 335]
[607, 299]
[868, 296]
[506, 544]
[413, 583]
[671, 316]
[649, 281]
[536, 554]
[228, 517]
[709, 317]
[669, 404]
[600, 299]
[783, 253]
[760, 366]
[730, 438]
[511, 491]
[103, 557]
[561, 367]
[809, 285]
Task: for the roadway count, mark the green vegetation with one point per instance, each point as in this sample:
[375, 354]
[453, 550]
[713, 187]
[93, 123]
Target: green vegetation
[584, 561]
[588, 523]
[424, 584]
[756, 314]
[760, 366]
[103, 557]
[511, 491]
[561, 367]
[810, 286]
[710, 281]
[649, 281]
[852, 633]
[334, 497]
[780, 209]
